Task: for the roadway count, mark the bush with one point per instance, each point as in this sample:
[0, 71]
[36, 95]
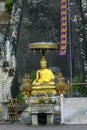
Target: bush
[20, 98]
[32, 75]
[9, 4]
[79, 88]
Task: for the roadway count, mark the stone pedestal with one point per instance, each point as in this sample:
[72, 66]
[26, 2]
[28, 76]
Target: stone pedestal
[34, 119]
[42, 108]
[49, 118]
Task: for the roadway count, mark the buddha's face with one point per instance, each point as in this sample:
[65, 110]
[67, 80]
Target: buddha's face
[43, 65]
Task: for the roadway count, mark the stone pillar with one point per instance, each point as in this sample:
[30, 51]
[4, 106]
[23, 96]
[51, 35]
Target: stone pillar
[49, 119]
[34, 119]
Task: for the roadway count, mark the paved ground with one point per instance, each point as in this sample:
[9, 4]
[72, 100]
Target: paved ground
[18, 126]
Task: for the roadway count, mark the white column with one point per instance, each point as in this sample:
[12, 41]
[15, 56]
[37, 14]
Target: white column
[61, 108]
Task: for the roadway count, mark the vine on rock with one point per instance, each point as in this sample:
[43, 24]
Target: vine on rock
[9, 4]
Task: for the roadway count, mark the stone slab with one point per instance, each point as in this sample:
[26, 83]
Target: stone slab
[42, 108]
[75, 110]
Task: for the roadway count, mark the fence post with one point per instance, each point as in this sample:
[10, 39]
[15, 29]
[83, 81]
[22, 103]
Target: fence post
[61, 109]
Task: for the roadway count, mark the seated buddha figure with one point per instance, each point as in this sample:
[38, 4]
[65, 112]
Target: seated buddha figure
[44, 75]
[44, 82]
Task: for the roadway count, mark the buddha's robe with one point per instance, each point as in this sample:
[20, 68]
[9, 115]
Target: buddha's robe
[45, 75]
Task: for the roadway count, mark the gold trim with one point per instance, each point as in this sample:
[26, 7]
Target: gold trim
[43, 87]
[43, 45]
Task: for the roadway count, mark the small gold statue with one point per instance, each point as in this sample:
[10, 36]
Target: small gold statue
[25, 88]
[61, 85]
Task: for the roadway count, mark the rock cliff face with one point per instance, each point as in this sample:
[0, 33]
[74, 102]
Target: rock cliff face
[8, 48]
[40, 22]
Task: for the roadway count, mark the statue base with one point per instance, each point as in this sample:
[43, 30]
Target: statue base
[43, 89]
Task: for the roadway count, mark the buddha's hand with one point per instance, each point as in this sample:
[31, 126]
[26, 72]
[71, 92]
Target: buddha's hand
[36, 80]
[45, 82]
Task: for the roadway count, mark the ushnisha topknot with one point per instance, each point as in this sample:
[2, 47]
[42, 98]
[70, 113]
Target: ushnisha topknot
[43, 61]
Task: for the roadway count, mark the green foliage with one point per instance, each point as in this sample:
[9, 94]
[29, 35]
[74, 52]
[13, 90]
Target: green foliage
[32, 75]
[41, 101]
[20, 98]
[51, 102]
[9, 4]
[78, 79]
[79, 88]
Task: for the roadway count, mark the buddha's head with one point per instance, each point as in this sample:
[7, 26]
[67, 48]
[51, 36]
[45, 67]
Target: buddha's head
[43, 63]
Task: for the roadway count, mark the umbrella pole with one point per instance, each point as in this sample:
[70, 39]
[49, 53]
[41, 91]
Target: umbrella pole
[43, 52]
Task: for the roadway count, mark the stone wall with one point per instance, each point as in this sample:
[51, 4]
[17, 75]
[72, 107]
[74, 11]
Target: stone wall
[75, 110]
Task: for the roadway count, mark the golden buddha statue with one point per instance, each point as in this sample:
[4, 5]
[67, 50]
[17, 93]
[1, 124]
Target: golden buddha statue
[44, 75]
[44, 80]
